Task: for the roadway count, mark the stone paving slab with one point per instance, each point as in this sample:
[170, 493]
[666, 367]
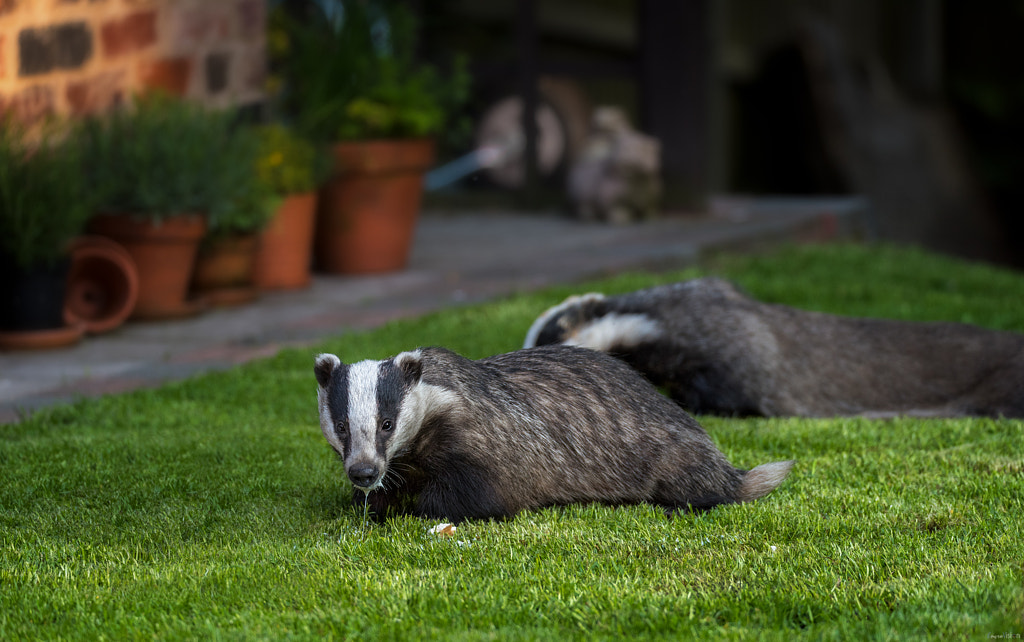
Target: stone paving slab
[456, 259]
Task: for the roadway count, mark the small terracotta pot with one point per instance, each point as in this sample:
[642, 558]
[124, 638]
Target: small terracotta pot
[368, 210]
[164, 253]
[224, 270]
[286, 245]
[102, 286]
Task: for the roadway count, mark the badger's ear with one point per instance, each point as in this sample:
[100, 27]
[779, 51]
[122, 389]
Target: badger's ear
[592, 305]
[410, 364]
[324, 368]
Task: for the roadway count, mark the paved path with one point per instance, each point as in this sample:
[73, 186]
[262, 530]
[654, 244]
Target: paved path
[456, 259]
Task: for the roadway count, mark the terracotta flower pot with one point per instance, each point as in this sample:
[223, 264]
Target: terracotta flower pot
[224, 270]
[164, 253]
[286, 245]
[102, 285]
[368, 210]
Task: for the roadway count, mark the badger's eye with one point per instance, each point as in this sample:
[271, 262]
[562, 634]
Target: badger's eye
[386, 425]
[341, 427]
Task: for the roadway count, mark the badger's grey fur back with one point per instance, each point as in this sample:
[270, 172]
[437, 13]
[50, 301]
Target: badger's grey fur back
[716, 350]
[446, 437]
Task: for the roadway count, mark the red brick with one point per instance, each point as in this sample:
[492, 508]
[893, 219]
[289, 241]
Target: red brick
[197, 27]
[168, 74]
[96, 94]
[129, 34]
[30, 105]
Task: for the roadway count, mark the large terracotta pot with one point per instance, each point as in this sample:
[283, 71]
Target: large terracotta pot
[102, 286]
[368, 210]
[164, 253]
[286, 245]
[224, 269]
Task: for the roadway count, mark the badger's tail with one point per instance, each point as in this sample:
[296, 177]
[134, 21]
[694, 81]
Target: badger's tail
[762, 480]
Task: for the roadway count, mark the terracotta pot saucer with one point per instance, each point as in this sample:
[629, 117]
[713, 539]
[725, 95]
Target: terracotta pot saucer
[42, 339]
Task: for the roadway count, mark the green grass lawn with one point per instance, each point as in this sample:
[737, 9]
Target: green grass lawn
[213, 508]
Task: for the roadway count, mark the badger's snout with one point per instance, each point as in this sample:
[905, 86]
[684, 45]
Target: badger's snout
[363, 475]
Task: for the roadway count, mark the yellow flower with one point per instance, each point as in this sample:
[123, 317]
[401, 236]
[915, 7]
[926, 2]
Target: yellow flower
[277, 42]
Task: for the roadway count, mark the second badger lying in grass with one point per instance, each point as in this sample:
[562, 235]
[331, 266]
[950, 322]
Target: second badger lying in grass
[716, 350]
[445, 437]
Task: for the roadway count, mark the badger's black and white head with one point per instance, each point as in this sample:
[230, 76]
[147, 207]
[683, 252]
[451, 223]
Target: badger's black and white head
[562, 321]
[371, 411]
[589, 321]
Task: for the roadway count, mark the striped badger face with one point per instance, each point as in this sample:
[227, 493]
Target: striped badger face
[560, 322]
[370, 412]
[586, 321]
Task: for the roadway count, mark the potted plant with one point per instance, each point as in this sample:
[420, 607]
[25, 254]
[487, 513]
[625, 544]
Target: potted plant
[225, 265]
[381, 110]
[290, 167]
[44, 204]
[156, 168]
[103, 284]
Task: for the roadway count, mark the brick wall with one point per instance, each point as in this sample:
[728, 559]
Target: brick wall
[82, 56]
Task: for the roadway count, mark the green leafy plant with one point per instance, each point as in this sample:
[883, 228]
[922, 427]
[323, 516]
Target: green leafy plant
[44, 197]
[357, 77]
[163, 157]
[245, 202]
[288, 163]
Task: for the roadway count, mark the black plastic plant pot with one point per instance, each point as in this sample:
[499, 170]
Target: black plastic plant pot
[32, 299]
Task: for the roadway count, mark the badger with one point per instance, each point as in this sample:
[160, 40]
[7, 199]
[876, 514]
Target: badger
[433, 434]
[716, 350]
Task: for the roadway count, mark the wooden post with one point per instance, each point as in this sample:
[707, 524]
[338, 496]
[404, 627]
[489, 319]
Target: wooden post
[526, 29]
[676, 81]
